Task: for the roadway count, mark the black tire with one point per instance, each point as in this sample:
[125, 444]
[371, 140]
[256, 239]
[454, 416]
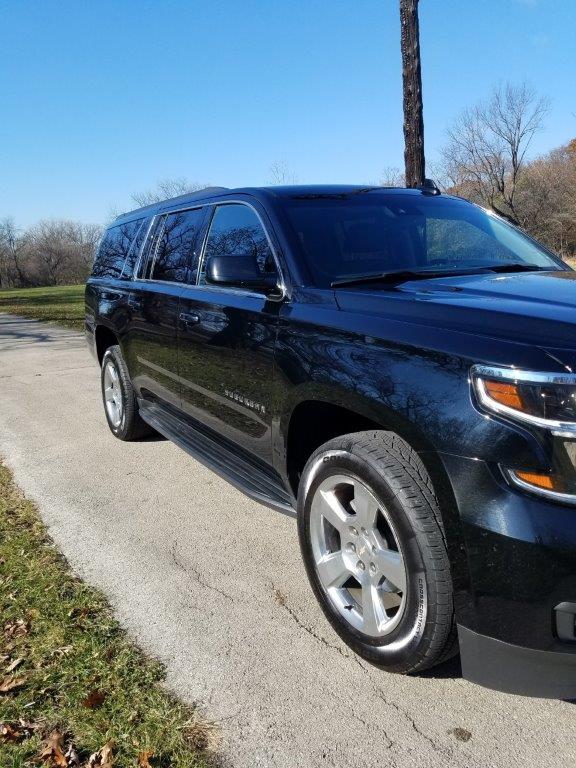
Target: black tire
[425, 634]
[131, 426]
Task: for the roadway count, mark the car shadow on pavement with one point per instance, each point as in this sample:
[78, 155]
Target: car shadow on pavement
[448, 670]
[155, 438]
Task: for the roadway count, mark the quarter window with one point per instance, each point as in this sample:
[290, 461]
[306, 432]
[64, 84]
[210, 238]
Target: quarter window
[114, 249]
[175, 259]
[236, 230]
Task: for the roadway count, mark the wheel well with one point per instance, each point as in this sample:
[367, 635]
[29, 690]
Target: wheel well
[314, 423]
[104, 338]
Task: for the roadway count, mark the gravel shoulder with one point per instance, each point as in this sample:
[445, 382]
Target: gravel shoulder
[211, 583]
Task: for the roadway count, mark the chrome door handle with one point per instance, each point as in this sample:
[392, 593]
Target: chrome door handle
[189, 318]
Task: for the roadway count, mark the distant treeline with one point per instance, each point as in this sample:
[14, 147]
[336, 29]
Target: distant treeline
[49, 253]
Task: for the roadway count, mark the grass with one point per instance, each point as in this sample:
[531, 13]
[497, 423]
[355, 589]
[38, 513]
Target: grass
[63, 304]
[72, 675]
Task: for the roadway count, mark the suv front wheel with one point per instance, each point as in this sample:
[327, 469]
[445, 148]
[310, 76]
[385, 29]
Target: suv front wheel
[372, 541]
[120, 404]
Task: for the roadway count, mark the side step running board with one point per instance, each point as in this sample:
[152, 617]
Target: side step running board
[256, 482]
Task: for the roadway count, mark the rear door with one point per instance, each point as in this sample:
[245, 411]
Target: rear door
[227, 336]
[154, 305]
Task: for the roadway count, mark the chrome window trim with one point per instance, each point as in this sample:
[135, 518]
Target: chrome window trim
[144, 243]
[232, 289]
[158, 236]
[226, 289]
[130, 277]
[564, 428]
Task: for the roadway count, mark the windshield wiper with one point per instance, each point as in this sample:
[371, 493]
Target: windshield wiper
[504, 267]
[404, 275]
[400, 276]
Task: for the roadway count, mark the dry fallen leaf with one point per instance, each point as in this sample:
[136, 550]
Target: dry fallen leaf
[16, 628]
[102, 758]
[53, 752]
[94, 699]
[72, 759]
[10, 683]
[15, 663]
[144, 759]
[17, 731]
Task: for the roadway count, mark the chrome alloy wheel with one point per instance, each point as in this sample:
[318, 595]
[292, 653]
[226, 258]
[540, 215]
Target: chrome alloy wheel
[357, 555]
[113, 394]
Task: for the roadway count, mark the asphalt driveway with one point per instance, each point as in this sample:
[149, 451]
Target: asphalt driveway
[211, 583]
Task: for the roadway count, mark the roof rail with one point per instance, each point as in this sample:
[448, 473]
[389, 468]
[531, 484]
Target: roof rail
[199, 194]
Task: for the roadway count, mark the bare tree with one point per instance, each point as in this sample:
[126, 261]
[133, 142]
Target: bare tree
[280, 173]
[165, 189]
[57, 252]
[392, 177]
[546, 199]
[487, 146]
[12, 272]
[412, 88]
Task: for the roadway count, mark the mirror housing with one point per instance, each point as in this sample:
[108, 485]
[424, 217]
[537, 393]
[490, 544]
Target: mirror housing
[241, 271]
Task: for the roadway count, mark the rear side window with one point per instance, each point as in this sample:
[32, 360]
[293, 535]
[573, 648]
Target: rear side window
[114, 249]
[176, 260]
[135, 248]
[236, 230]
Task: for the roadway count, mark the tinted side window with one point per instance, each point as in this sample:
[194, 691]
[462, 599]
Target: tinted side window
[114, 249]
[134, 252]
[176, 249]
[236, 230]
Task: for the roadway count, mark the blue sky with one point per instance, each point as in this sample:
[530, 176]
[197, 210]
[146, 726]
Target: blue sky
[102, 98]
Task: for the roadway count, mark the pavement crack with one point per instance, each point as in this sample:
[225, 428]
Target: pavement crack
[280, 599]
[374, 726]
[405, 714]
[195, 574]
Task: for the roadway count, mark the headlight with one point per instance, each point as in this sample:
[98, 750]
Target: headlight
[545, 400]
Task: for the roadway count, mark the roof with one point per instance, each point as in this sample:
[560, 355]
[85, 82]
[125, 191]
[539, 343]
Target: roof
[302, 191]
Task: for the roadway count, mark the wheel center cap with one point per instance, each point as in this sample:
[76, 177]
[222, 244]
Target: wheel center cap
[364, 549]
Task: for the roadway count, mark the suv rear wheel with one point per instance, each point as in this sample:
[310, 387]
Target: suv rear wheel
[120, 404]
[372, 541]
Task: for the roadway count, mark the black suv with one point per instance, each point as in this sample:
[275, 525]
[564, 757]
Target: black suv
[397, 369]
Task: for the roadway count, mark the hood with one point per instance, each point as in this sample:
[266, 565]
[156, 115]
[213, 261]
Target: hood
[530, 307]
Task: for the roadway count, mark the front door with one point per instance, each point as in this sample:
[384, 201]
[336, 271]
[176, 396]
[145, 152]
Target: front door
[226, 339]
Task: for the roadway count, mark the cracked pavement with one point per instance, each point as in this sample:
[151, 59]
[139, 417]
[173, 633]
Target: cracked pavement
[211, 583]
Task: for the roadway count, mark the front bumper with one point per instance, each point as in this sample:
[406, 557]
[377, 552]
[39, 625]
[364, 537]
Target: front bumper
[517, 565]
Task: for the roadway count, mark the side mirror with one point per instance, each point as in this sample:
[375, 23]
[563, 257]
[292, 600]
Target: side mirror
[238, 270]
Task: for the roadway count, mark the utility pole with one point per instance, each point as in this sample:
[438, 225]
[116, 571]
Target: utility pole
[412, 86]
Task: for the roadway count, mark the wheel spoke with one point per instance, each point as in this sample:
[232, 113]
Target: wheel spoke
[359, 568]
[391, 565]
[332, 570]
[113, 394]
[365, 506]
[334, 512]
[371, 614]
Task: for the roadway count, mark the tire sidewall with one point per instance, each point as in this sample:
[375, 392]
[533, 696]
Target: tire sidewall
[397, 650]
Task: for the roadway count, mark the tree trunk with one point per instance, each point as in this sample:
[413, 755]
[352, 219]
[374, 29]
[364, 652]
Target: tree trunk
[412, 84]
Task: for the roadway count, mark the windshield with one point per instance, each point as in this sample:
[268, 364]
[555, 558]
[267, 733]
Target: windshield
[350, 236]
